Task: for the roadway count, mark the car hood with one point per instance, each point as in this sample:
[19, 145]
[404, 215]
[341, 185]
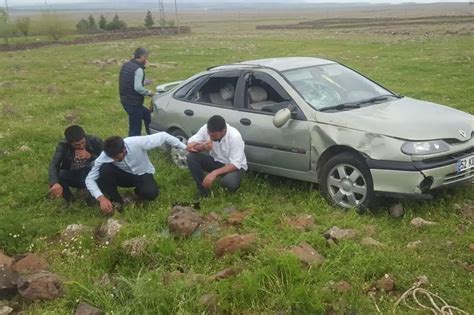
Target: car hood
[405, 118]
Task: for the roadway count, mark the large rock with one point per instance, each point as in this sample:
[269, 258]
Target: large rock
[419, 222]
[338, 234]
[5, 261]
[306, 254]
[232, 243]
[30, 263]
[183, 221]
[72, 232]
[86, 309]
[396, 210]
[108, 230]
[135, 247]
[42, 285]
[302, 222]
[8, 283]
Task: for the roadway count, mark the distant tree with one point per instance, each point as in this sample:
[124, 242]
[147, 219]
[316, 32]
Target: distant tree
[92, 23]
[116, 24]
[6, 29]
[23, 26]
[149, 22]
[102, 22]
[53, 25]
[162, 22]
[82, 26]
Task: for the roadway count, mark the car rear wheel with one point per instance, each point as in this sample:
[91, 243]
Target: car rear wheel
[179, 156]
[346, 182]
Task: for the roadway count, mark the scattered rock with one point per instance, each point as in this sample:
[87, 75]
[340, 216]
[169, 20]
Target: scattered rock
[30, 263]
[105, 280]
[369, 241]
[338, 234]
[369, 229]
[307, 254]
[226, 273]
[24, 148]
[72, 231]
[236, 218]
[230, 209]
[343, 286]
[467, 211]
[183, 221]
[173, 276]
[302, 222]
[212, 217]
[396, 210]
[419, 222]
[5, 261]
[209, 301]
[42, 285]
[86, 309]
[108, 230]
[470, 268]
[232, 243]
[8, 283]
[6, 310]
[413, 245]
[422, 280]
[386, 283]
[471, 247]
[135, 247]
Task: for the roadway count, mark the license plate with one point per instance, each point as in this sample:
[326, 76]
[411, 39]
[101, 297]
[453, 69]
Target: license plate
[465, 164]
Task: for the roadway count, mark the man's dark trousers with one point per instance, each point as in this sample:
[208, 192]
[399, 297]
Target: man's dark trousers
[198, 163]
[111, 177]
[137, 113]
[76, 179]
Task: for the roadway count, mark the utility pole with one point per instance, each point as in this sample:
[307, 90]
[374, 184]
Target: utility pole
[176, 12]
[7, 11]
[162, 12]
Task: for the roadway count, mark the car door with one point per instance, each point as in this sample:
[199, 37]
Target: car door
[267, 147]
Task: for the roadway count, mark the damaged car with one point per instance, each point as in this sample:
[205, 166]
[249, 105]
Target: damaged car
[316, 120]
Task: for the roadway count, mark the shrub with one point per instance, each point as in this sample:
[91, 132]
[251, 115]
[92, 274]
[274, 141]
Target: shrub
[116, 24]
[149, 22]
[52, 25]
[23, 26]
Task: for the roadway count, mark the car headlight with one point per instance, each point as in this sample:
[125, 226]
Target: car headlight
[424, 147]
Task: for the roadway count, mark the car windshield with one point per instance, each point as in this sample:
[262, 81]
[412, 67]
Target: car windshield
[334, 86]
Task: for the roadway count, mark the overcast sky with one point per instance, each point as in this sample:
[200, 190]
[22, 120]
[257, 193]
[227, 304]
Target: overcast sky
[39, 2]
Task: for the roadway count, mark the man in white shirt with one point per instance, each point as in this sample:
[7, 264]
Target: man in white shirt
[125, 163]
[226, 158]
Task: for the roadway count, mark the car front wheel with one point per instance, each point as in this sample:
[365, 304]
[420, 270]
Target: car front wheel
[346, 181]
[179, 156]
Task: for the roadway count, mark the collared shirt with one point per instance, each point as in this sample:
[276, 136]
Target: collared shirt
[229, 150]
[136, 160]
[137, 82]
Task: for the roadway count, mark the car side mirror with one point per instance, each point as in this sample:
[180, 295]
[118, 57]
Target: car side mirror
[281, 117]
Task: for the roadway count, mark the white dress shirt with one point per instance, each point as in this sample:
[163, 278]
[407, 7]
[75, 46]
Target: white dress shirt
[136, 159]
[229, 150]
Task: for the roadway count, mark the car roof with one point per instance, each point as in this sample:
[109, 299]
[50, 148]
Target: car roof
[279, 64]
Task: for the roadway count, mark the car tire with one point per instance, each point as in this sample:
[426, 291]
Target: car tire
[178, 156]
[346, 182]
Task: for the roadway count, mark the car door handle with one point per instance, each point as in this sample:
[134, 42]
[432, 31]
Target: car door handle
[189, 112]
[245, 122]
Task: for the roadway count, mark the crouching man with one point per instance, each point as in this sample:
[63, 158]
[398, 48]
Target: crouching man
[125, 163]
[226, 158]
[71, 162]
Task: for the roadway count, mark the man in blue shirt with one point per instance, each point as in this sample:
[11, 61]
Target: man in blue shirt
[132, 92]
[125, 163]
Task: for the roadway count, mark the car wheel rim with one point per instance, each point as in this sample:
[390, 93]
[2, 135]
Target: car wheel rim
[179, 156]
[347, 186]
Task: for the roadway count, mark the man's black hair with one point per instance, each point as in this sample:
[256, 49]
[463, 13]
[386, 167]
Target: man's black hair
[113, 146]
[74, 133]
[216, 123]
[139, 52]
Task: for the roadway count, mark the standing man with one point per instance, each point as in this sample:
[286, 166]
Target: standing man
[226, 159]
[132, 92]
[72, 162]
[125, 163]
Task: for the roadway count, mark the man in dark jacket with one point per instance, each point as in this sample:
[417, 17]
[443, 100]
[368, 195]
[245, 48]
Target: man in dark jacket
[132, 92]
[72, 162]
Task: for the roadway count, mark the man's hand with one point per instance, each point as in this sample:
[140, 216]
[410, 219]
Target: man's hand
[56, 190]
[191, 147]
[207, 145]
[83, 154]
[105, 205]
[208, 180]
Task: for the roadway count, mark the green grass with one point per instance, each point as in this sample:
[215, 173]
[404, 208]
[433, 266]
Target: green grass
[39, 87]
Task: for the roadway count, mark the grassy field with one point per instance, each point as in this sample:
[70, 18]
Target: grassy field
[43, 90]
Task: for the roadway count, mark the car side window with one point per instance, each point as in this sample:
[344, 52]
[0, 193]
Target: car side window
[215, 90]
[264, 94]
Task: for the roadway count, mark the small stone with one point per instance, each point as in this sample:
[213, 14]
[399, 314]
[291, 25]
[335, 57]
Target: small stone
[422, 280]
[236, 218]
[108, 230]
[30, 263]
[105, 280]
[6, 310]
[5, 261]
[8, 283]
[71, 232]
[413, 245]
[338, 234]
[470, 268]
[368, 241]
[86, 309]
[396, 210]
[419, 222]
[226, 273]
[230, 209]
[135, 247]
[209, 301]
[302, 222]
[183, 221]
[467, 211]
[307, 254]
[42, 285]
[212, 217]
[386, 283]
[342, 286]
[232, 243]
